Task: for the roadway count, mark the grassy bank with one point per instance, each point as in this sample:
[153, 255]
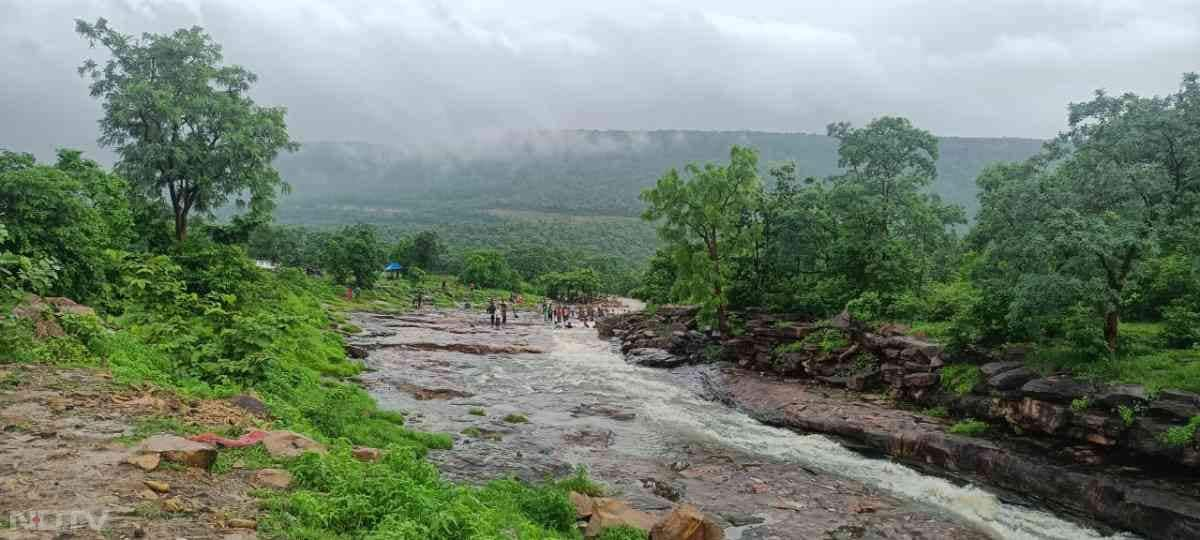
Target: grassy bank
[205, 323]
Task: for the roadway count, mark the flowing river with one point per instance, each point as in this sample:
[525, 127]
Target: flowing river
[653, 438]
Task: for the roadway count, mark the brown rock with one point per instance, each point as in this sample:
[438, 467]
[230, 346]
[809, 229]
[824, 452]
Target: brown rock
[364, 453]
[582, 503]
[1038, 415]
[145, 462]
[921, 380]
[251, 405]
[609, 513]
[288, 444]
[239, 523]
[157, 486]
[174, 505]
[685, 522]
[273, 478]
[179, 450]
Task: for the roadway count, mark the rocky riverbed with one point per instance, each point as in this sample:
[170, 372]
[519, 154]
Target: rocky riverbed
[655, 437]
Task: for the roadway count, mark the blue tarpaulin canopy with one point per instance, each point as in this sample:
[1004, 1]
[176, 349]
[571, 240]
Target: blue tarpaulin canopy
[394, 267]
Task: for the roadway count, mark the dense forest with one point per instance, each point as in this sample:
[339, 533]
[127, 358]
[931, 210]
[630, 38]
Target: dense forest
[1088, 249]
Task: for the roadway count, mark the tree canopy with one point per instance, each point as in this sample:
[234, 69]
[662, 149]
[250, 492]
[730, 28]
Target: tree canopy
[184, 124]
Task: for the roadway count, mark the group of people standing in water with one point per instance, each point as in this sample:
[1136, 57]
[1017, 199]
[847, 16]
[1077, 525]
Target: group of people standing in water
[564, 316]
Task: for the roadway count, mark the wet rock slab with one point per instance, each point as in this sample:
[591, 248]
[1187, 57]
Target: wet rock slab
[1154, 509]
[573, 424]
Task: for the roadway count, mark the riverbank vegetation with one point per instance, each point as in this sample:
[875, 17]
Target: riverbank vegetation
[1087, 252]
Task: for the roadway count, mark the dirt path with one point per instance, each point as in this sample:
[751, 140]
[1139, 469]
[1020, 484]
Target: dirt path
[64, 436]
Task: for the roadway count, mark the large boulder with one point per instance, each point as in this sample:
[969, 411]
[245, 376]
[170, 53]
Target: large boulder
[685, 522]
[1011, 379]
[1129, 395]
[994, 368]
[287, 444]
[609, 513]
[657, 358]
[1175, 405]
[179, 450]
[1059, 389]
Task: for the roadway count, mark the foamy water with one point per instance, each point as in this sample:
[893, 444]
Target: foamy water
[673, 408]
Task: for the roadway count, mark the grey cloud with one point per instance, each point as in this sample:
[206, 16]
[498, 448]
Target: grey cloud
[438, 73]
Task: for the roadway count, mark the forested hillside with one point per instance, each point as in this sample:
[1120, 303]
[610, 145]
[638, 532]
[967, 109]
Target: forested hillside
[547, 187]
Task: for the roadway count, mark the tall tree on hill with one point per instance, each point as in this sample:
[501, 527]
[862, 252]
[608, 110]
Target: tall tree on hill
[183, 123]
[701, 219]
[891, 226]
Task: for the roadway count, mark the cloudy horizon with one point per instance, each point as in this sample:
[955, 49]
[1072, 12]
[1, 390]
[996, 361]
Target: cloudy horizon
[408, 73]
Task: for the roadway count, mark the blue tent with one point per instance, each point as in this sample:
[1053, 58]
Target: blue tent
[394, 267]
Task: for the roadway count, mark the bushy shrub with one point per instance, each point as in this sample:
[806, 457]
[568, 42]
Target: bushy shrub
[1082, 329]
[1181, 322]
[961, 379]
[969, 427]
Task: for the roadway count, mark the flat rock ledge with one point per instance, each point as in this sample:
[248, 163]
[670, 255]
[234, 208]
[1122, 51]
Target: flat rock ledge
[1147, 507]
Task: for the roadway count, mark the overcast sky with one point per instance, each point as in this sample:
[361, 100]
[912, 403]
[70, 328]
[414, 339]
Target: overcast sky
[400, 72]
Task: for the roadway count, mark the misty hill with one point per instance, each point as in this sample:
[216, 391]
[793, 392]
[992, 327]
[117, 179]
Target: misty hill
[574, 187]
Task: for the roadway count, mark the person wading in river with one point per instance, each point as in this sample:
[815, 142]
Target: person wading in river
[503, 312]
[491, 309]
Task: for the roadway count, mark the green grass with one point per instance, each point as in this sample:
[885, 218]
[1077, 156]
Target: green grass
[936, 412]
[935, 330]
[516, 418]
[960, 379]
[622, 533]
[403, 497]
[579, 482]
[969, 427]
[1127, 414]
[251, 457]
[1181, 436]
[1081, 404]
[476, 411]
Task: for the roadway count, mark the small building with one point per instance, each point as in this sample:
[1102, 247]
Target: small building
[393, 269]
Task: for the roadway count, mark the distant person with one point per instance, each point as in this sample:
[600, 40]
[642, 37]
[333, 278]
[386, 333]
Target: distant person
[491, 309]
[503, 312]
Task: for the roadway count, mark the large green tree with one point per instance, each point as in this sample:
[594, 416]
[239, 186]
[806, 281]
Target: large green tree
[488, 268]
[182, 123]
[891, 227]
[354, 255]
[1072, 226]
[701, 221]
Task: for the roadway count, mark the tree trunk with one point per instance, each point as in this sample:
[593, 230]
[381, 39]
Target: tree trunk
[181, 226]
[1112, 322]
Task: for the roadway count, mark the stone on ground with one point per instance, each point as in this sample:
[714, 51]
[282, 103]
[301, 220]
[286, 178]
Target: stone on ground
[273, 478]
[157, 486]
[609, 513]
[287, 444]
[582, 504]
[179, 450]
[145, 462]
[686, 522]
[368, 454]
